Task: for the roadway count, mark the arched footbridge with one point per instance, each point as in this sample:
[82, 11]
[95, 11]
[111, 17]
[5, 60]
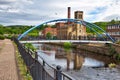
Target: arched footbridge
[99, 32]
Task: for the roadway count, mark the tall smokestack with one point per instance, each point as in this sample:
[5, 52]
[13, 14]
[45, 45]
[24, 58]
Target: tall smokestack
[69, 12]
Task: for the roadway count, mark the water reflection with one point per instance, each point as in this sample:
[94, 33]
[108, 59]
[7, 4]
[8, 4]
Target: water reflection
[56, 55]
[92, 63]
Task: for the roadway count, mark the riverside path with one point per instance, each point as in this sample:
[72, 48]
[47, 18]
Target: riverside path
[8, 69]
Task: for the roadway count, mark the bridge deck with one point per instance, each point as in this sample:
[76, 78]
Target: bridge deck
[72, 41]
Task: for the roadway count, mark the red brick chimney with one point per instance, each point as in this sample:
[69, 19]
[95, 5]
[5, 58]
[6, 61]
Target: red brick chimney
[69, 12]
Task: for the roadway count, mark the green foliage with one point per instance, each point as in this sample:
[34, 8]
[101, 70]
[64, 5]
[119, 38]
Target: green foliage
[112, 65]
[2, 37]
[1, 32]
[33, 34]
[102, 25]
[108, 44]
[22, 68]
[30, 46]
[111, 50]
[67, 45]
[48, 35]
[42, 27]
[118, 42]
[9, 36]
[53, 26]
[13, 29]
[117, 56]
[113, 22]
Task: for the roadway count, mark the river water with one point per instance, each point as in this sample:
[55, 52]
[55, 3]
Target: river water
[52, 55]
[55, 55]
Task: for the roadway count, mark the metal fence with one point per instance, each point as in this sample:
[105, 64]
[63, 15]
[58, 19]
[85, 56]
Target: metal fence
[38, 67]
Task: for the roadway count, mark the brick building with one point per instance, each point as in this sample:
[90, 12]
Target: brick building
[114, 31]
[53, 31]
[71, 30]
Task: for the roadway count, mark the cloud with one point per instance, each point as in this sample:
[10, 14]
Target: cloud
[36, 11]
[4, 2]
[111, 17]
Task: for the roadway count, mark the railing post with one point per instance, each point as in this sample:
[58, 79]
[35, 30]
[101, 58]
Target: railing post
[58, 73]
[28, 50]
[43, 70]
[36, 56]
[43, 63]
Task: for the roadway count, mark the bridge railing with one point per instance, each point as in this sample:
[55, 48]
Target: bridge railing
[38, 67]
[82, 38]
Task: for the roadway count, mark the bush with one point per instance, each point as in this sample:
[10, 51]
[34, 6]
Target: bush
[67, 45]
[117, 57]
[2, 37]
[118, 42]
[9, 37]
[30, 46]
[112, 65]
[107, 44]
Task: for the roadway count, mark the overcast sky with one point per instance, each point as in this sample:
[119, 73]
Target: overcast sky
[34, 12]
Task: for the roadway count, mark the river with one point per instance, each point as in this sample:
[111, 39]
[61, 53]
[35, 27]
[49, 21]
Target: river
[91, 68]
[51, 54]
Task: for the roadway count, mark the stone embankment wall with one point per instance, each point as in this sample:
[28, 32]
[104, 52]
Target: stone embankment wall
[100, 49]
[94, 49]
[117, 48]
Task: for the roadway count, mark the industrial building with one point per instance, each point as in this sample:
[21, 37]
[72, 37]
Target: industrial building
[71, 30]
[114, 31]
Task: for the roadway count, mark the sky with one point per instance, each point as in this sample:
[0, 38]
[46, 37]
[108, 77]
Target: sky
[34, 12]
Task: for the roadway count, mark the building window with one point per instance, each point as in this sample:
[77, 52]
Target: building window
[109, 27]
[80, 16]
[118, 33]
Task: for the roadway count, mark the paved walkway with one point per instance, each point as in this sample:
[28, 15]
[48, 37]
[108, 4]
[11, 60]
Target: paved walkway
[8, 69]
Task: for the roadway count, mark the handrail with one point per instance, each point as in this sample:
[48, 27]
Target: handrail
[67, 76]
[64, 74]
[37, 70]
[47, 63]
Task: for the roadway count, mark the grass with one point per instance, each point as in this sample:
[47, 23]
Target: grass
[24, 73]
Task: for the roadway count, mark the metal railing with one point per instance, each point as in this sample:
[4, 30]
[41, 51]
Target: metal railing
[38, 67]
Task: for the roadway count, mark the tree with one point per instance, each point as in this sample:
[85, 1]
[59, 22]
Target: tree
[112, 22]
[1, 32]
[48, 35]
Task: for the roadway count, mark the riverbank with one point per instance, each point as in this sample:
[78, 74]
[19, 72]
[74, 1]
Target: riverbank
[88, 73]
